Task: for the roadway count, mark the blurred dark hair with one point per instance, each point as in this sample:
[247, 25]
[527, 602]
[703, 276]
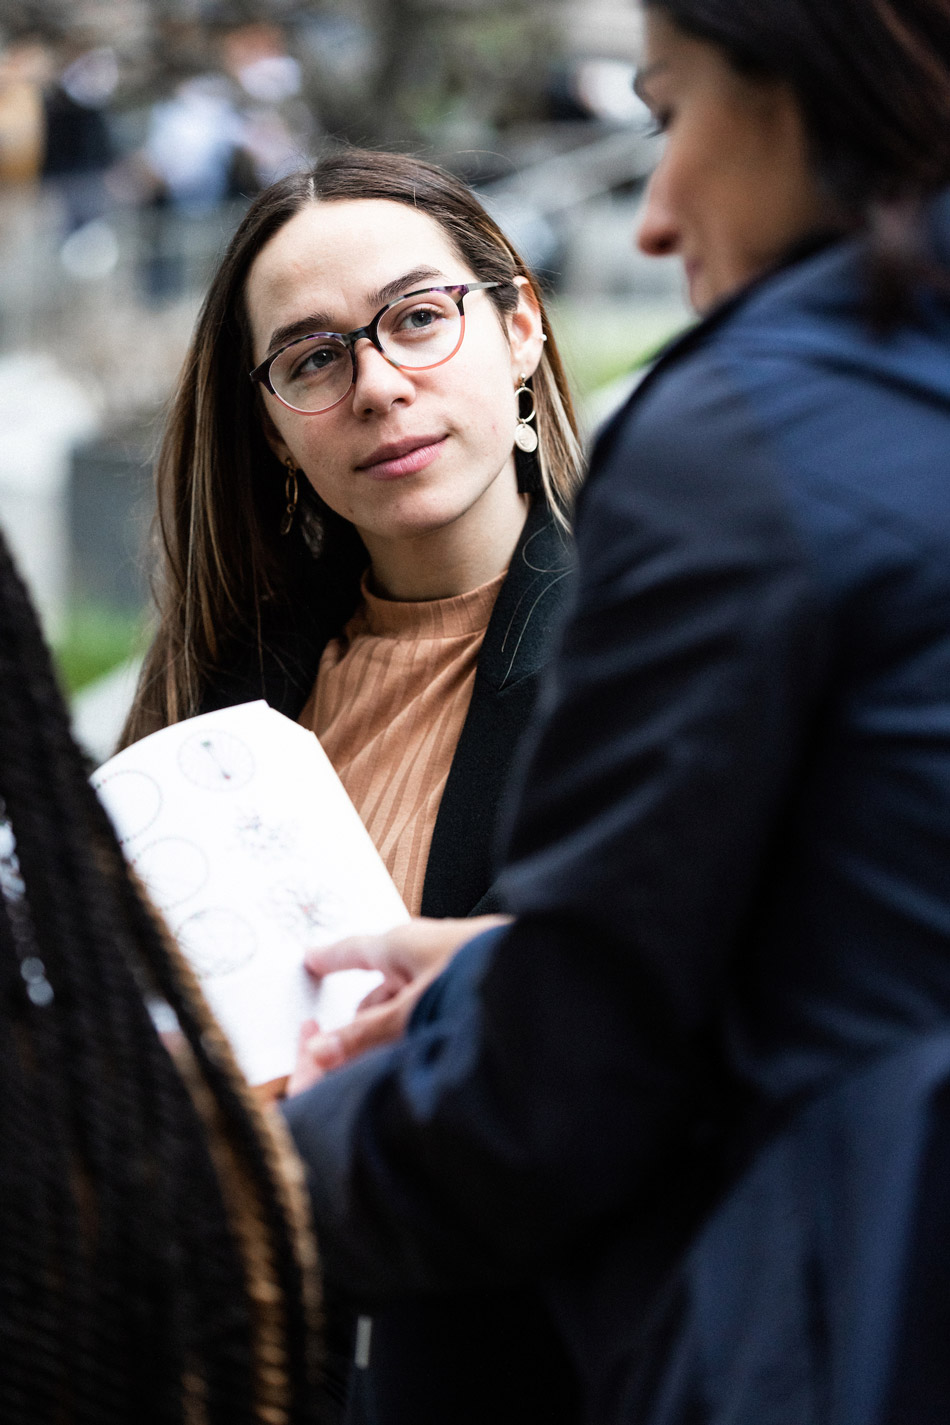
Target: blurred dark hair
[873, 81]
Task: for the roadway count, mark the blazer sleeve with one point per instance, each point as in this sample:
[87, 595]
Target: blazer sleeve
[569, 1073]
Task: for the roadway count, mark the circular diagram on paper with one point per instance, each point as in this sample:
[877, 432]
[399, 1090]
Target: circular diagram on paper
[302, 910]
[217, 942]
[172, 869]
[133, 801]
[217, 761]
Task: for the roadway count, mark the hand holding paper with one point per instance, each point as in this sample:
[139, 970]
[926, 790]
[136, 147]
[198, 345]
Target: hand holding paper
[408, 957]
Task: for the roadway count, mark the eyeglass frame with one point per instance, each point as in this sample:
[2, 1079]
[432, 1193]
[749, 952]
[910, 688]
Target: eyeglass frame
[261, 373]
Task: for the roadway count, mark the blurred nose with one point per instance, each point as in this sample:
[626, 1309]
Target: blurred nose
[379, 385]
[658, 232]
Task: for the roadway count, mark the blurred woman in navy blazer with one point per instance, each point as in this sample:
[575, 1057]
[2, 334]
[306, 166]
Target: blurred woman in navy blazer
[698, 1094]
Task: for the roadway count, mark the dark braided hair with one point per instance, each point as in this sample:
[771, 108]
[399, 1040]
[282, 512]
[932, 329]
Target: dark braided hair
[155, 1264]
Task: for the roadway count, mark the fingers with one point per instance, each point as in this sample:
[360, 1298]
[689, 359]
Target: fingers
[383, 1013]
[372, 1027]
[358, 952]
[380, 994]
[415, 948]
[317, 1053]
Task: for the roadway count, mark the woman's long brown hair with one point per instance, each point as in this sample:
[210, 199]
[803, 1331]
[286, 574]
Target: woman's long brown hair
[220, 488]
[154, 1259]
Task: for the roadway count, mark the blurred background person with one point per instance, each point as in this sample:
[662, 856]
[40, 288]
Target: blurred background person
[77, 142]
[23, 71]
[220, 137]
[279, 129]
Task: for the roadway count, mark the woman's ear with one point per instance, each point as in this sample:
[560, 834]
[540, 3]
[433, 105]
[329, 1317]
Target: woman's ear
[525, 332]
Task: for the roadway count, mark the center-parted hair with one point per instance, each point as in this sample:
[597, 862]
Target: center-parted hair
[223, 563]
[154, 1259]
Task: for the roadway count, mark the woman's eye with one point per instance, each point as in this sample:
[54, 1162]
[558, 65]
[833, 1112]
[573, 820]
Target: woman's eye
[419, 319]
[316, 361]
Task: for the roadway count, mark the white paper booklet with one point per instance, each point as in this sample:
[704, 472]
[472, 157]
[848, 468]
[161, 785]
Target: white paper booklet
[248, 844]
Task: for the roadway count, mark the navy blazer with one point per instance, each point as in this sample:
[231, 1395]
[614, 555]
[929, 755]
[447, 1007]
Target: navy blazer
[516, 647]
[731, 856]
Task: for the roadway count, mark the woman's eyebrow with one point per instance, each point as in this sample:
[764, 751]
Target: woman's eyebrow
[320, 322]
[399, 285]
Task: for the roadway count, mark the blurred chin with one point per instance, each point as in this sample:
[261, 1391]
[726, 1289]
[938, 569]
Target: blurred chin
[698, 296]
[705, 292]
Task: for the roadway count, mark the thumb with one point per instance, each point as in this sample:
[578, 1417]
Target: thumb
[371, 1027]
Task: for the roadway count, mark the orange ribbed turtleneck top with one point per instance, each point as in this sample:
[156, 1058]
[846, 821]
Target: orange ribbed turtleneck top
[388, 705]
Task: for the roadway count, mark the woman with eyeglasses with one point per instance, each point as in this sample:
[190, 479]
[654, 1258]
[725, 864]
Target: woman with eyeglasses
[363, 498]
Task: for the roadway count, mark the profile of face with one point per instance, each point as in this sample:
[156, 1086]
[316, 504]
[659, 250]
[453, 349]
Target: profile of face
[733, 191]
[406, 452]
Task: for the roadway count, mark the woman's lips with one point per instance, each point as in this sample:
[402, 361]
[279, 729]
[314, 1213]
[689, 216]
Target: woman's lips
[405, 458]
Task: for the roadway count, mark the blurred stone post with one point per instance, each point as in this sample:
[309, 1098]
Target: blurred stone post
[44, 414]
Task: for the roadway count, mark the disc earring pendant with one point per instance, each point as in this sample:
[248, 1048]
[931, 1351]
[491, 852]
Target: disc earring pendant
[526, 437]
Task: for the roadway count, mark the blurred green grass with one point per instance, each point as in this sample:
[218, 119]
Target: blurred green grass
[95, 640]
[604, 340]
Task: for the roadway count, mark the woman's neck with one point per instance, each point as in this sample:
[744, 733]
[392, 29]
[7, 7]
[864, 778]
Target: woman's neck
[455, 558]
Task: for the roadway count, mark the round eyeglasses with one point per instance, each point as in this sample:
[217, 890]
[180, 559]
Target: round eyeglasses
[423, 329]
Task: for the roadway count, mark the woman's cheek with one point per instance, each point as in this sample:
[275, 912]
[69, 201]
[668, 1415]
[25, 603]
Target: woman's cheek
[332, 493]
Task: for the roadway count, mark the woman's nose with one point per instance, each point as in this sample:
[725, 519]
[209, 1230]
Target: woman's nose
[657, 233]
[378, 384]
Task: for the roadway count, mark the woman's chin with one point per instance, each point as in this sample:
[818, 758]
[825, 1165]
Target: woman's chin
[409, 519]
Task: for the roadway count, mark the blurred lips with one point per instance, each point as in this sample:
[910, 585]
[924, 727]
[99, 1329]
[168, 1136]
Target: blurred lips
[402, 457]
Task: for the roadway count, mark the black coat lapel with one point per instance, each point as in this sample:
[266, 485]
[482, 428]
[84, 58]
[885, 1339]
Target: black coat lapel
[516, 648]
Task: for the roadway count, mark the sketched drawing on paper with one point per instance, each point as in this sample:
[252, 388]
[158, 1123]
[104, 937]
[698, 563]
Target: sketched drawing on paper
[261, 839]
[173, 869]
[216, 760]
[217, 941]
[302, 910]
[134, 800]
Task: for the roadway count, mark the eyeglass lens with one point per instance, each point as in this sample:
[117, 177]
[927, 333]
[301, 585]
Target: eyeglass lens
[420, 331]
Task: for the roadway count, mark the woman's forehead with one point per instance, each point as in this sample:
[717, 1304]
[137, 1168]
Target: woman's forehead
[338, 254]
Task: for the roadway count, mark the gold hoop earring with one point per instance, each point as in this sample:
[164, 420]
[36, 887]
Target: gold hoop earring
[526, 437]
[291, 493]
